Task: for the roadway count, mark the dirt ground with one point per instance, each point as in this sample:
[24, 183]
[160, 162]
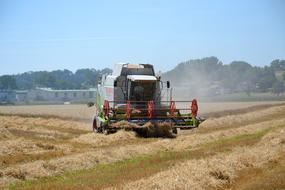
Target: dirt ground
[40, 146]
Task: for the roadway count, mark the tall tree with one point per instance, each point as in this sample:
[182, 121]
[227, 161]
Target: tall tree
[278, 88]
[278, 65]
[7, 82]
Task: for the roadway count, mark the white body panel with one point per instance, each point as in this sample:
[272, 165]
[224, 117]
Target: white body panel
[141, 78]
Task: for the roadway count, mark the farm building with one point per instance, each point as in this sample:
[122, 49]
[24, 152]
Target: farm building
[7, 96]
[46, 95]
[50, 95]
[21, 95]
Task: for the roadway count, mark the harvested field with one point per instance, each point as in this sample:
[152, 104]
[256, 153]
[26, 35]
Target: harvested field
[77, 112]
[57, 153]
[101, 140]
[82, 112]
[218, 170]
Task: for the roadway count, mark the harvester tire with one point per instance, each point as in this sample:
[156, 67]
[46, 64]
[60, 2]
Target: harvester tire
[97, 125]
[174, 131]
[105, 131]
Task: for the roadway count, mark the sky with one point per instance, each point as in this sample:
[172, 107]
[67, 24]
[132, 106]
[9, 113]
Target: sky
[50, 34]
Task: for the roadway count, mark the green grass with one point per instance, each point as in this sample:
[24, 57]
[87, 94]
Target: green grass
[244, 139]
[116, 174]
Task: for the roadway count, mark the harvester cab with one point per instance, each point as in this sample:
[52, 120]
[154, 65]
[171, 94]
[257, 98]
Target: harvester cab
[133, 96]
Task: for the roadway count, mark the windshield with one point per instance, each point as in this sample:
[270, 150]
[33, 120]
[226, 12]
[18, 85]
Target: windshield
[142, 91]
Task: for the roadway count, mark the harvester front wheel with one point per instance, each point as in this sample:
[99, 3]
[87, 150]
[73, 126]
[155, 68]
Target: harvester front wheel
[105, 131]
[97, 126]
[174, 131]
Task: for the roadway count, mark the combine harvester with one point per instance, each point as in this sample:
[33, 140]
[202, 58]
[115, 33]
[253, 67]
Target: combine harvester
[133, 96]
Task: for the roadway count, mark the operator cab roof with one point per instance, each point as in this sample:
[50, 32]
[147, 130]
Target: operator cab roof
[124, 69]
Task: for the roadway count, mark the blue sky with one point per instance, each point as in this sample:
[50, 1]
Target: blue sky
[50, 34]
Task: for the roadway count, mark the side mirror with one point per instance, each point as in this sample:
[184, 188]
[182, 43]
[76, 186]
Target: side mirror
[100, 80]
[168, 84]
[115, 83]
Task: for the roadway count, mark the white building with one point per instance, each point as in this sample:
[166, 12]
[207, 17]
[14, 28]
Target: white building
[7, 96]
[21, 95]
[50, 95]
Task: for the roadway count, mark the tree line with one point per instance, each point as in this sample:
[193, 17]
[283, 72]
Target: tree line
[59, 79]
[237, 76]
[196, 73]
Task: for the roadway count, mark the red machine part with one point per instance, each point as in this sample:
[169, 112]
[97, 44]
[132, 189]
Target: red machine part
[106, 108]
[128, 110]
[194, 108]
[150, 106]
[172, 108]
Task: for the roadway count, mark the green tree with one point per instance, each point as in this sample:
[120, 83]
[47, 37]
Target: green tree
[266, 78]
[45, 79]
[278, 65]
[7, 82]
[278, 88]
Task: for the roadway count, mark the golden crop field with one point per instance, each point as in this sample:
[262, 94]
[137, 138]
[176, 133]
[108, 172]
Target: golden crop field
[223, 153]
